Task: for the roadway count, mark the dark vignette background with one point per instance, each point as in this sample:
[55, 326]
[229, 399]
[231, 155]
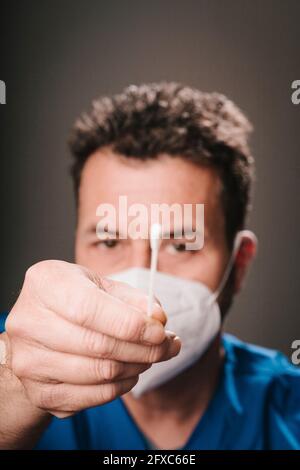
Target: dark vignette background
[57, 55]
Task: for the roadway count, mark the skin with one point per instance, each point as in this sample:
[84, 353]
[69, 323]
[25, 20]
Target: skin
[75, 340]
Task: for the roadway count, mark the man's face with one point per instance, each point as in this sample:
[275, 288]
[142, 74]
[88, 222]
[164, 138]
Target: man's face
[166, 180]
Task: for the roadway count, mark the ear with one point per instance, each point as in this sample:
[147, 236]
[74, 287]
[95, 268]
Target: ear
[245, 254]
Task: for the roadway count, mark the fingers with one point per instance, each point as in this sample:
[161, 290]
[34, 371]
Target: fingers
[80, 297]
[64, 399]
[134, 297]
[43, 365]
[57, 334]
[77, 340]
[103, 312]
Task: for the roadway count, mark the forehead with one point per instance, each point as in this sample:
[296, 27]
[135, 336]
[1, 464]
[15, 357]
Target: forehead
[167, 179]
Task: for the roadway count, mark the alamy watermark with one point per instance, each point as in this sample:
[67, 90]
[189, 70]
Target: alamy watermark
[295, 358]
[134, 221]
[2, 92]
[295, 96]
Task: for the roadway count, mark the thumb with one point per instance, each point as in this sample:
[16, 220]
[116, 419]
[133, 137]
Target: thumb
[133, 296]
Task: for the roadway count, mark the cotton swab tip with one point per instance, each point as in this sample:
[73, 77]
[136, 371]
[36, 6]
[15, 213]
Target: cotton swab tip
[155, 236]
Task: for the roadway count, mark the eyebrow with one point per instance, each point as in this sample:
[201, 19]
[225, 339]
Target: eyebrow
[93, 229]
[107, 231]
[173, 234]
[180, 232]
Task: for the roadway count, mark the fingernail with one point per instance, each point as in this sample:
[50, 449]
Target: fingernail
[159, 314]
[154, 333]
[175, 346]
[171, 334]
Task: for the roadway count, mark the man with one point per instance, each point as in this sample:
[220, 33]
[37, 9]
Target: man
[76, 341]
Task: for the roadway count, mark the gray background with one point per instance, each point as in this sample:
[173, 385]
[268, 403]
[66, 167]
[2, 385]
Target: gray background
[57, 56]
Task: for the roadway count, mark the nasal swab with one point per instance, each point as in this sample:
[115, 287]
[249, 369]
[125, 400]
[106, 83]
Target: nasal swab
[155, 240]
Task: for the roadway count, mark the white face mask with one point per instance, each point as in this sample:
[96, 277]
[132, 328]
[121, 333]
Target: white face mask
[193, 314]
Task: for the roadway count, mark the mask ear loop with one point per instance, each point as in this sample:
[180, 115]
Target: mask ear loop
[236, 246]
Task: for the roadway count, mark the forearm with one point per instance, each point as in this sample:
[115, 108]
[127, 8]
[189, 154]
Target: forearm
[21, 423]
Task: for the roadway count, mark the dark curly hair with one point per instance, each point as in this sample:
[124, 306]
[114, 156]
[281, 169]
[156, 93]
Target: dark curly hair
[147, 120]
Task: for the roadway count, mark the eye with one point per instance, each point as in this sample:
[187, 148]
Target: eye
[109, 243]
[180, 247]
[176, 248]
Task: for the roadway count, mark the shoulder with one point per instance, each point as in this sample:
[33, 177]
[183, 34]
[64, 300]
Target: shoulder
[250, 358]
[264, 389]
[264, 368]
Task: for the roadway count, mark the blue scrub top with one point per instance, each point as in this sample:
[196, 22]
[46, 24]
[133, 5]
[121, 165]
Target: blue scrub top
[256, 406]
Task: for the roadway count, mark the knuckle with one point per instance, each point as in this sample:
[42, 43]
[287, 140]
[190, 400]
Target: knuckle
[152, 354]
[39, 273]
[131, 327]
[115, 389]
[35, 271]
[110, 370]
[11, 324]
[49, 397]
[92, 342]
[108, 347]
[156, 353]
[20, 366]
[16, 324]
[92, 306]
[87, 313]
[31, 272]
[109, 392]
[98, 344]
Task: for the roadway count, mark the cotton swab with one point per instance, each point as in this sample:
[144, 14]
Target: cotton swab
[155, 241]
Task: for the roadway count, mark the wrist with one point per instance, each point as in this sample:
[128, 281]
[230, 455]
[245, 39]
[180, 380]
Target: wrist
[21, 421]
